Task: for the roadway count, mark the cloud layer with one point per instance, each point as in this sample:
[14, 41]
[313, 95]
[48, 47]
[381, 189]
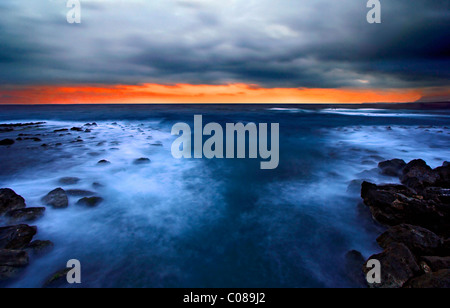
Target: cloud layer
[283, 43]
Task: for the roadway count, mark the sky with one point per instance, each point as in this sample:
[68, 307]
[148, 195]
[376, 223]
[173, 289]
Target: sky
[230, 51]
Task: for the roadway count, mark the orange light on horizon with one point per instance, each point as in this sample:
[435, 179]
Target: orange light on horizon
[198, 94]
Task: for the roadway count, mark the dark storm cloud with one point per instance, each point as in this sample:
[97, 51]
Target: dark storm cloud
[285, 43]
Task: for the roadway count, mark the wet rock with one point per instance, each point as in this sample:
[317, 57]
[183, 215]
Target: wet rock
[104, 162]
[22, 124]
[398, 265]
[435, 280]
[44, 145]
[14, 258]
[419, 240]
[354, 262]
[79, 193]
[355, 186]
[9, 272]
[19, 139]
[76, 129]
[39, 248]
[142, 161]
[97, 185]
[7, 142]
[60, 130]
[69, 181]
[35, 139]
[57, 279]
[392, 167]
[444, 176]
[16, 237]
[90, 124]
[90, 201]
[418, 175]
[446, 164]
[437, 263]
[26, 214]
[56, 198]
[10, 201]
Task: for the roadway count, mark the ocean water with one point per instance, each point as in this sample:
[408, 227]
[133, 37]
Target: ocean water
[210, 223]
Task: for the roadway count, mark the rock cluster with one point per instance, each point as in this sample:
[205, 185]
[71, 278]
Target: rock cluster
[417, 244]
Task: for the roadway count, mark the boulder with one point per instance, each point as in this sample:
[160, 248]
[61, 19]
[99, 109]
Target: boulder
[419, 240]
[418, 175]
[56, 198]
[392, 167]
[16, 237]
[9, 201]
[444, 176]
[15, 258]
[435, 280]
[437, 263]
[7, 142]
[26, 215]
[90, 202]
[398, 265]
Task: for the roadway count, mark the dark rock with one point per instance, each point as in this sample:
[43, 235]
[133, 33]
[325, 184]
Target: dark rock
[19, 139]
[76, 129]
[22, 124]
[104, 162]
[437, 263]
[398, 265]
[69, 181]
[392, 167]
[418, 175]
[354, 262]
[56, 198]
[57, 279]
[40, 248]
[7, 142]
[419, 240]
[26, 215]
[87, 131]
[60, 130]
[35, 139]
[9, 272]
[14, 258]
[10, 201]
[436, 280]
[90, 202]
[142, 161]
[79, 193]
[44, 145]
[446, 164]
[97, 185]
[444, 176]
[16, 237]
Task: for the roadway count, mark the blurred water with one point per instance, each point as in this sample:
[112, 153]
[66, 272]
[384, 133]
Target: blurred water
[210, 223]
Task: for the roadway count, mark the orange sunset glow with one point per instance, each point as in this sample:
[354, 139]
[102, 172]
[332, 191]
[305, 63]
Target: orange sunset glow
[187, 94]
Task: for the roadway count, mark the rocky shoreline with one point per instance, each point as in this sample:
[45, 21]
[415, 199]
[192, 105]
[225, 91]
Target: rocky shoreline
[417, 213]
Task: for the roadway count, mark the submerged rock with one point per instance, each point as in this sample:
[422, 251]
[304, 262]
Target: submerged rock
[16, 237]
[76, 129]
[26, 215]
[40, 248]
[9, 272]
[14, 258]
[392, 167]
[69, 181]
[57, 279]
[57, 199]
[398, 265]
[7, 142]
[79, 193]
[90, 202]
[104, 162]
[142, 161]
[9, 201]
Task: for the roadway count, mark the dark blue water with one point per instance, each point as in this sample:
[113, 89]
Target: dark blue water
[210, 223]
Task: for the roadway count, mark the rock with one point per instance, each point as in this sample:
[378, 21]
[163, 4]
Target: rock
[39, 248]
[14, 258]
[26, 215]
[97, 185]
[9, 201]
[398, 265]
[419, 240]
[437, 263]
[9, 272]
[90, 202]
[446, 164]
[56, 198]
[16, 237]
[104, 162]
[354, 262]
[87, 131]
[35, 139]
[142, 161]
[79, 193]
[355, 186]
[435, 280]
[7, 142]
[58, 279]
[76, 129]
[444, 176]
[69, 181]
[418, 175]
[60, 130]
[396, 204]
[392, 167]
[22, 124]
